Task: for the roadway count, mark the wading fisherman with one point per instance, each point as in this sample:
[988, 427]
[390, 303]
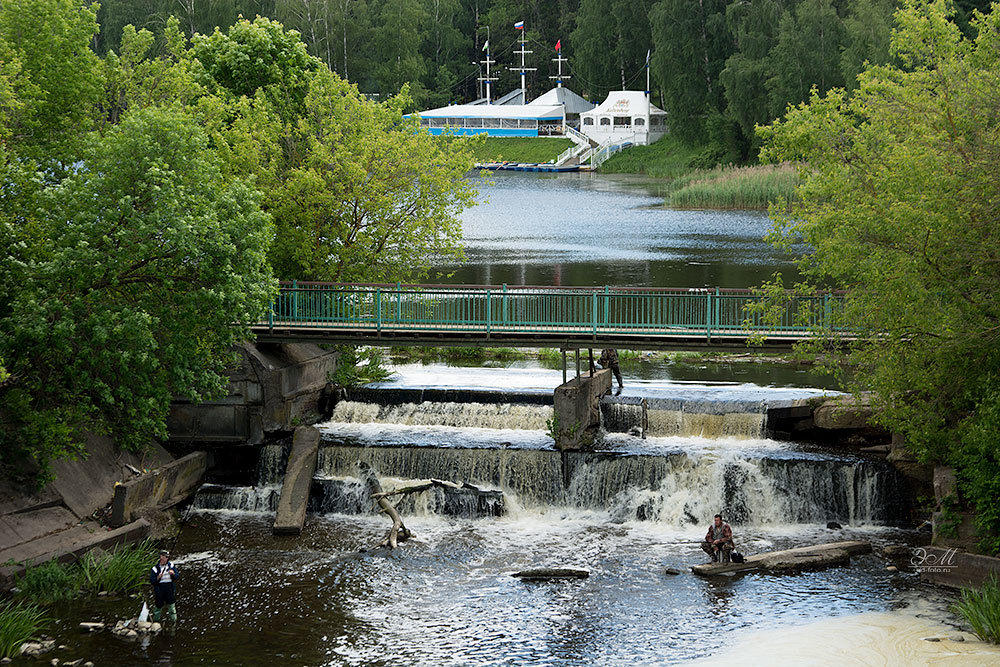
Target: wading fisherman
[719, 540]
[609, 359]
[162, 577]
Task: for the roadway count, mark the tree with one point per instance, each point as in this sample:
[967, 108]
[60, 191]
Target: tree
[755, 27]
[609, 44]
[807, 54]
[153, 267]
[372, 198]
[867, 28]
[258, 56]
[899, 207]
[50, 41]
[692, 43]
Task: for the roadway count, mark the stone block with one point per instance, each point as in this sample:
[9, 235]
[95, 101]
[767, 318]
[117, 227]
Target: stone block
[843, 413]
[952, 567]
[162, 487]
[945, 483]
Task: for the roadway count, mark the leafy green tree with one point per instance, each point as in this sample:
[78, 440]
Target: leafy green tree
[807, 54]
[692, 43]
[50, 41]
[397, 45]
[867, 27]
[154, 266]
[609, 44]
[371, 198]
[258, 56]
[744, 78]
[899, 207]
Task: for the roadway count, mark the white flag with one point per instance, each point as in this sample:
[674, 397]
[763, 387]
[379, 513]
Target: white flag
[486, 46]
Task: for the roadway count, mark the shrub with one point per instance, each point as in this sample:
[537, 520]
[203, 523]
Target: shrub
[981, 608]
[18, 623]
[48, 582]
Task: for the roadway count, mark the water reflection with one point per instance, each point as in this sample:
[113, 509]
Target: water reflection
[590, 229]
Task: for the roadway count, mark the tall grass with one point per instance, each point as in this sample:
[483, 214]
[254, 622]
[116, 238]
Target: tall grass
[49, 582]
[456, 355]
[18, 623]
[121, 571]
[732, 187]
[981, 608]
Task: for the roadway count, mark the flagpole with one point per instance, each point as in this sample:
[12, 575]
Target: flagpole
[489, 61]
[559, 60]
[523, 51]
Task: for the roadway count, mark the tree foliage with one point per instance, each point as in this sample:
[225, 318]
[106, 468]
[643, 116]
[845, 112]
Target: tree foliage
[900, 207]
[135, 243]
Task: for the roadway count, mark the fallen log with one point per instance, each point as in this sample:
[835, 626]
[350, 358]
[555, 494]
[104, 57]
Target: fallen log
[398, 532]
[821, 555]
[540, 573]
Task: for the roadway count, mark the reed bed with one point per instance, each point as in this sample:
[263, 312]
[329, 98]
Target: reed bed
[122, 571]
[729, 187]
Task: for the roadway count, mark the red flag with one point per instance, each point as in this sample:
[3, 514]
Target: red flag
[559, 45]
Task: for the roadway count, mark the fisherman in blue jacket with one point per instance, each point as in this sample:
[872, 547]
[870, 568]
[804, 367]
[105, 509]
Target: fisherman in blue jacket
[162, 577]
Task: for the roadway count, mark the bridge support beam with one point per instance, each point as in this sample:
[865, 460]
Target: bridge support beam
[577, 409]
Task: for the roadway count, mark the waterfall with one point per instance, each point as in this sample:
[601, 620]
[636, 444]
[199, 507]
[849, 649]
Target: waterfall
[478, 415]
[679, 481]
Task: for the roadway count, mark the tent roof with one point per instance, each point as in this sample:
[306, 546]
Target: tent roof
[573, 102]
[625, 102]
[512, 111]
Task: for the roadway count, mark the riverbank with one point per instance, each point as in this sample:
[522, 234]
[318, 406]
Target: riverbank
[532, 150]
[725, 187]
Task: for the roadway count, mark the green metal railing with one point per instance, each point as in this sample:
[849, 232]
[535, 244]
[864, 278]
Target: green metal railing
[543, 310]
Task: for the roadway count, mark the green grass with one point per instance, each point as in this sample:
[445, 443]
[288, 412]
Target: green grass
[48, 582]
[520, 149]
[18, 623]
[122, 571]
[981, 608]
[667, 158]
[734, 187]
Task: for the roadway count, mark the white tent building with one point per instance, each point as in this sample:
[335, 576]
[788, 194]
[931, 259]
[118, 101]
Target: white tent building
[507, 117]
[626, 115]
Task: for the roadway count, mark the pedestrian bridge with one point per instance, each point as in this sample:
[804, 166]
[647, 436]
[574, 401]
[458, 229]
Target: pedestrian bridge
[508, 316]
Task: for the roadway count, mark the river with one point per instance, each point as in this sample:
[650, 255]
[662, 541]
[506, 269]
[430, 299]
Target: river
[590, 229]
[626, 513]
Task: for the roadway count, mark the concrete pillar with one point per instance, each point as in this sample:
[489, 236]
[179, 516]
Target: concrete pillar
[577, 409]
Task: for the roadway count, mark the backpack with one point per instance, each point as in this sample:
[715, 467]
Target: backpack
[737, 557]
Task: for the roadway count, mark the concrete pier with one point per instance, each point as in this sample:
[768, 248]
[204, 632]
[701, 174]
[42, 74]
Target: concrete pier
[577, 409]
[291, 514]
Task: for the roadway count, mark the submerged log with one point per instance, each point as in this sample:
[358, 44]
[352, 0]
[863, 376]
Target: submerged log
[541, 573]
[802, 558]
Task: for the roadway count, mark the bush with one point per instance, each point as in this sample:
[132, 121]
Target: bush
[121, 571]
[48, 582]
[981, 608]
[18, 623]
[360, 366]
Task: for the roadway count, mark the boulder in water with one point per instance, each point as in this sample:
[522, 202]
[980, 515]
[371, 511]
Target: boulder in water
[833, 525]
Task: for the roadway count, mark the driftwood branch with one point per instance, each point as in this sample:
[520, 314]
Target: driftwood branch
[398, 532]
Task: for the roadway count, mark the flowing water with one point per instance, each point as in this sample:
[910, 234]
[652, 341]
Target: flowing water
[680, 445]
[625, 512]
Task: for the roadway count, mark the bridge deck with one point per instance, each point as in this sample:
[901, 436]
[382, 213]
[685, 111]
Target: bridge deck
[535, 316]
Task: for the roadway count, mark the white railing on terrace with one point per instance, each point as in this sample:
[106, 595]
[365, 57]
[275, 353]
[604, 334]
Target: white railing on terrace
[601, 154]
